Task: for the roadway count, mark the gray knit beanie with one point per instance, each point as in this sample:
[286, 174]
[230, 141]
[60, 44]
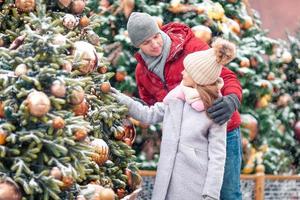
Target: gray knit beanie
[141, 26]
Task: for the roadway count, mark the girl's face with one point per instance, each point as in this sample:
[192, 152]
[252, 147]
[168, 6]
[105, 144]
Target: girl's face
[187, 80]
[153, 45]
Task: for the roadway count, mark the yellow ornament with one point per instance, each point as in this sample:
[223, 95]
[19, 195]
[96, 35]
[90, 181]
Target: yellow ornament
[216, 12]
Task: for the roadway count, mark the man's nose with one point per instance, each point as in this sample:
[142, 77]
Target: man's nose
[154, 43]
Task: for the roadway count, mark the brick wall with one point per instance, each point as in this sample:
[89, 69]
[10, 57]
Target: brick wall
[278, 15]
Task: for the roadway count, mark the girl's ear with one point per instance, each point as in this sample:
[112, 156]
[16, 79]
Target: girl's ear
[220, 83]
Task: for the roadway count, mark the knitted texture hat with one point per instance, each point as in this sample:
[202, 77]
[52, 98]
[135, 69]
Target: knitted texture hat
[205, 67]
[141, 26]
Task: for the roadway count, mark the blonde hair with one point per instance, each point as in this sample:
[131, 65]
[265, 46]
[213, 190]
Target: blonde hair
[208, 93]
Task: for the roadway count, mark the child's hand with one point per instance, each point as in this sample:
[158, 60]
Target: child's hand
[223, 108]
[114, 92]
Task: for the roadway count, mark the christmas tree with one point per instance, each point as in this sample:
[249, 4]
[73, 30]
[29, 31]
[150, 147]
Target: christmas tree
[61, 134]
[267, 126]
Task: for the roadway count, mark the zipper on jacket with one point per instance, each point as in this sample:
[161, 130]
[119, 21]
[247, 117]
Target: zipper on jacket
[165, 85]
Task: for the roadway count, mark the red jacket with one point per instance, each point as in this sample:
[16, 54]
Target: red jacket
[152, 89]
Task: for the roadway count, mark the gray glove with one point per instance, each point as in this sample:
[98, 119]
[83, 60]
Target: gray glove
[223, 108]
[120, 97]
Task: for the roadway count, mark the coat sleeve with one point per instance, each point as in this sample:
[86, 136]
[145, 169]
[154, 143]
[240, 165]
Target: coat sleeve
[216, 162]
[231, 83]
[145, 114]
[143, 92]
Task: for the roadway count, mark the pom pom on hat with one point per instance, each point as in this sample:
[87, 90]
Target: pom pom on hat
[205, 66]
[224, 51]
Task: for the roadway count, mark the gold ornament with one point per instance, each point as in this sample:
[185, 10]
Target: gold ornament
[20, 70]
[56, 173]
[25, 5]
[67, 66]
[202, 32]
[107, 194]
[38, 103]
[58, 88]
[9, 190]
[77, 95]
[128, 6]
[216, 11]
[159, 21]
[286, 57]
[77, 6]
[245, 62]
[250, 123]
[86, 55]
[101, 151]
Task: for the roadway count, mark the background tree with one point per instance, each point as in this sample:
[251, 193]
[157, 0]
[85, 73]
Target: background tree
[267, 126]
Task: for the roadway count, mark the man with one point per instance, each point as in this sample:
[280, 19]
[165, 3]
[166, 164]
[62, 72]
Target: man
[160, 63]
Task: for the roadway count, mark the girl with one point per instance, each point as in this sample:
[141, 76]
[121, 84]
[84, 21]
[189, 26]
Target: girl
[193, 148]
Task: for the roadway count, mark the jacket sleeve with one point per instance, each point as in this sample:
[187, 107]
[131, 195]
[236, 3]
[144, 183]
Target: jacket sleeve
[143, 92]
[216, 161]
[145, 114]
[231, 83]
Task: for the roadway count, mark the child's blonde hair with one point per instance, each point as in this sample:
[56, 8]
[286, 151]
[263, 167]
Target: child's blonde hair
[209, 93]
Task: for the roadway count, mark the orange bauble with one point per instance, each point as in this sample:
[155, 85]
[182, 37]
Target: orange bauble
[105, 87]
[84, 21]
[245, 62]
[248, 22]
[80, 134]
[120, 76]
[81, 109]
[68, 181]
[3, 136]
[58, 123]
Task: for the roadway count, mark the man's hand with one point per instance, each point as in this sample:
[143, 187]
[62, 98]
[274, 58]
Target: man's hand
[223, 108]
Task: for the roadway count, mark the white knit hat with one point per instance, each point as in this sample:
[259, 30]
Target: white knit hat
[205, 67]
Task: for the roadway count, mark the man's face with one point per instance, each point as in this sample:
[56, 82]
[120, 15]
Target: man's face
[187, 80]
[153, 45]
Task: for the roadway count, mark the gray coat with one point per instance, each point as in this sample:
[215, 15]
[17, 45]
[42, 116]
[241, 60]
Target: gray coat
[193, 150]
